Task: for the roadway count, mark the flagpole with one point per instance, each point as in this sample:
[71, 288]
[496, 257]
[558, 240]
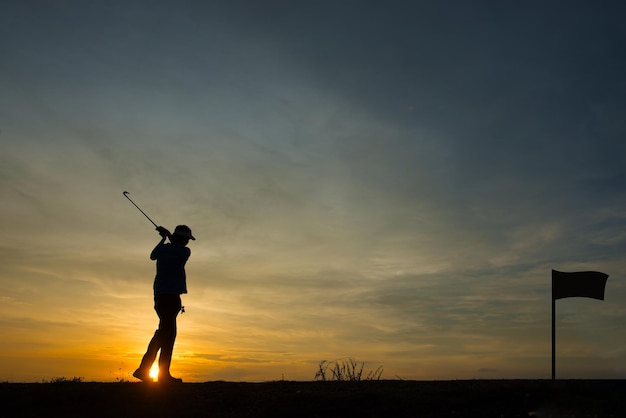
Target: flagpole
[553, 334]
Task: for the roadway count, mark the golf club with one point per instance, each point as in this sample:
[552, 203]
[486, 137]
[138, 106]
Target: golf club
[144, 213]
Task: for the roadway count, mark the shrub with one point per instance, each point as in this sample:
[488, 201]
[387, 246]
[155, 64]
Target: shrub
[345, 370]
[65, 380]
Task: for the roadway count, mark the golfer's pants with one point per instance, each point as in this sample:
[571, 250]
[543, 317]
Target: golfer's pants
[167, 307]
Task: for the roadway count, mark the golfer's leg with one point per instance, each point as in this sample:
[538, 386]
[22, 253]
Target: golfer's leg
[168, 337]
[143, 372]
[167, 346]
[151, 352]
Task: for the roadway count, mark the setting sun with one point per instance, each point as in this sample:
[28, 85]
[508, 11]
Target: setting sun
[154, 371]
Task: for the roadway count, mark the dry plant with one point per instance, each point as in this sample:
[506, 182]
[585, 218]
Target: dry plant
[64, 380]
[345, 370]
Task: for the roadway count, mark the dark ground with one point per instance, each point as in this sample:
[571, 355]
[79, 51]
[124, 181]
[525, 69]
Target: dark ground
[463, 398]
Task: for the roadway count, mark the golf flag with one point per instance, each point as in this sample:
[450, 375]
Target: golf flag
[587, 284]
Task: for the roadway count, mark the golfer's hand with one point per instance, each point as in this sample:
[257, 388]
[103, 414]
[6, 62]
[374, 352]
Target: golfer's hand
[163, 232]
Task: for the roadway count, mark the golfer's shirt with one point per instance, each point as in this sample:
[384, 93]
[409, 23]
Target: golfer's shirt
[170, 268]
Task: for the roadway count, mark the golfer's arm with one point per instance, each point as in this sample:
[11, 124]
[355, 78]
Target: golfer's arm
[155, 252]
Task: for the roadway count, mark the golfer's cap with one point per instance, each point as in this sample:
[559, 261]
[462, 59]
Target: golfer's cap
[183, 231]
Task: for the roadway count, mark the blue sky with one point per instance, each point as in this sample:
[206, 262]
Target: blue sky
[386, 181]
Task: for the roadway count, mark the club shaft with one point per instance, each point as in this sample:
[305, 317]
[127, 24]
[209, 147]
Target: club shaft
[144, 213]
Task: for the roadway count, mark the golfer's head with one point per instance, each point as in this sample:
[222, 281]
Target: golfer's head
[182, 234]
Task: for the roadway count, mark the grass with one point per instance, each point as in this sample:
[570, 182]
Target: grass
[345, 370]
[65, 380]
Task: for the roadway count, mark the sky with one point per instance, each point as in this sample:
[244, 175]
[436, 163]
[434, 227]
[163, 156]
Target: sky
[391, 182]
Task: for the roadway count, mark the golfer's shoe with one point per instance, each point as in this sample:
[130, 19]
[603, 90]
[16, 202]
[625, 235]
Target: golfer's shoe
[169, 379]
[143, 375]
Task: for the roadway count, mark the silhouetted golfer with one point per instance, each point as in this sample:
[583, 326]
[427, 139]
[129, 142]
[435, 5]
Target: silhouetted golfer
[170, 282]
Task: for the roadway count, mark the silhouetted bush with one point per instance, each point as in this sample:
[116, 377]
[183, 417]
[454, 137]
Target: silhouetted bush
[65, 380]
[345, 370]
